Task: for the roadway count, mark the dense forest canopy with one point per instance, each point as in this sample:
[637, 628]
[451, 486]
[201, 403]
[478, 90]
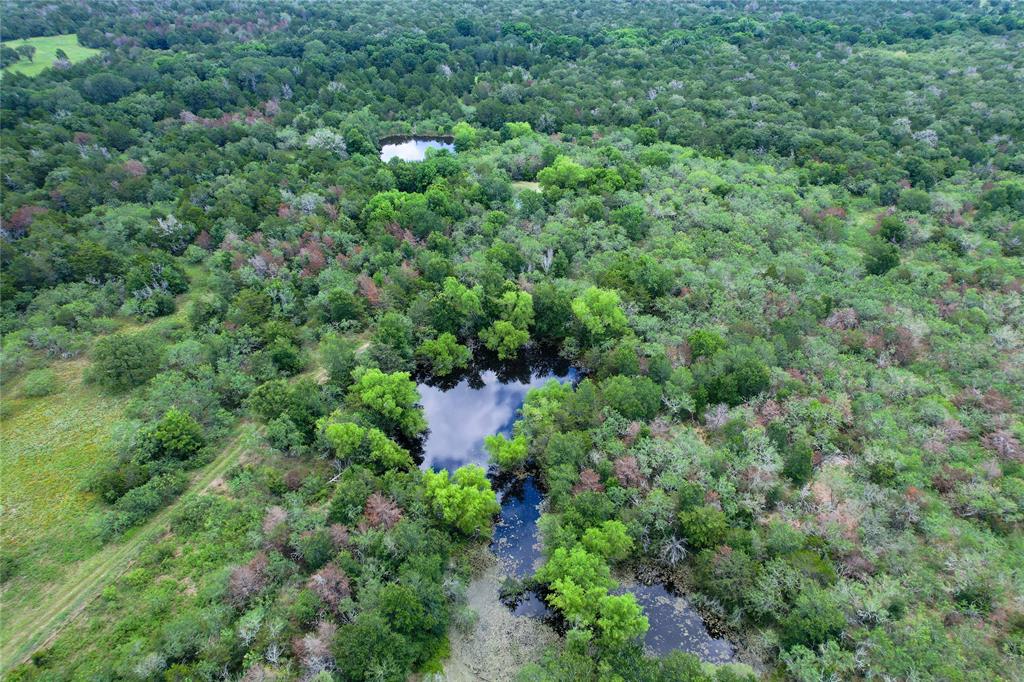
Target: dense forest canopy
[781, 244]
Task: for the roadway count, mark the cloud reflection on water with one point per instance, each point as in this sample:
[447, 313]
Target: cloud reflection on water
[412, 150]
[462, 416]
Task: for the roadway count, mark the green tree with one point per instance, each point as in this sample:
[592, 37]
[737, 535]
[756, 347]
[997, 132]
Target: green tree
[123, 361]
[798, 462]
[507, 454]
[368, 648]
[341, 305]
[704, 343]
[599, 311]
[367, 446]
[516, 307]
[251, 308]
[578, 581]
[176, 436]
[338, 355]
[456, 309]
[564, 175]
[730, 376]
[465, 502]
[893, 230]
[633, 220]
[704, 527]
[389, 400]
[814, 620]
[27, 51]
[444, 354]
[553, 307]
[620, 619]
[465, 136]
[881, 257]
[635, 398]
[392, 344]
[915, 200]
[504, 338]
[286, 356]
[106, 87]
[609, 540]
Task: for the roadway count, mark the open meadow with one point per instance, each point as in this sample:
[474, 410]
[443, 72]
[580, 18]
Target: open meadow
[46, 52]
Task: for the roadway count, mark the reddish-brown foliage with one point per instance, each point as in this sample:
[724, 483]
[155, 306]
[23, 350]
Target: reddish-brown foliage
[381, 512]
[313, 651]
[1004, 444]
[368, 288]
[949, 478]
[632, 432]
[274, 518]
[330, 584]
[134, 168]
[627, 472]
[22, 218]
[294, 478]
[204, 240]
[590, 481]
[339, 535]
[247, 581]
[843, 318]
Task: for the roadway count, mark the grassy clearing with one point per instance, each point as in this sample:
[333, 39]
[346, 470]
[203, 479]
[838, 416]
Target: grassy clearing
[520, 185]
[48, 447]
[46, 52]
[26, 629]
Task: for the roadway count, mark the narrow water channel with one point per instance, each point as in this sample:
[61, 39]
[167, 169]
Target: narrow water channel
[460, 413]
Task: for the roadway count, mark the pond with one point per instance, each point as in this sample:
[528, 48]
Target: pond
[676, 625]
[461, 411]
[413, 147]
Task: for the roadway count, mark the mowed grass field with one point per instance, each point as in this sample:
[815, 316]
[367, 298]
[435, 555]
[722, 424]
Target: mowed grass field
[48, 448]
[46, 52]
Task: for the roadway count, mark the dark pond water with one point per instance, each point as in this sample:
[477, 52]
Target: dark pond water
[461, 411]
[676, 625]
[412, 147]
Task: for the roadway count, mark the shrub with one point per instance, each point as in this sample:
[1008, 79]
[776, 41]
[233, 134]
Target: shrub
[704, 527]
[730, 377]
[39, 383]
[814, 620]
[635, 398]
[881, 257]
[798, 462]
[124, 361]
[915, 200]
[139, 503]
[704, 343]
[176, 436]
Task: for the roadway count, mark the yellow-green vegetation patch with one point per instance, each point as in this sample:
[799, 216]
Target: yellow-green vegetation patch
[50, 445]
[520, 185]
[46, 52]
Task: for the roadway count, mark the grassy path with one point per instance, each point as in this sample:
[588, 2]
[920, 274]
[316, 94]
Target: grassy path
[36, 627]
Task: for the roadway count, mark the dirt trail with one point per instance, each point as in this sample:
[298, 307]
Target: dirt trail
[37, 627]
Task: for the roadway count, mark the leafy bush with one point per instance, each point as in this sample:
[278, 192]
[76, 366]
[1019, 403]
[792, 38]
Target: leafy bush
[814, 620]
[632, 397]
[139, 503]
[124, 361]
[39, 383]
[881, 257]
[176, 436]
